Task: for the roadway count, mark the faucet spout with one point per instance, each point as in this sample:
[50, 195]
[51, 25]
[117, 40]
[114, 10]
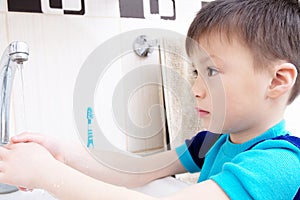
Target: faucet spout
[15, 54]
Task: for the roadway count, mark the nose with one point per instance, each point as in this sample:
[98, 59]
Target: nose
[199, 88]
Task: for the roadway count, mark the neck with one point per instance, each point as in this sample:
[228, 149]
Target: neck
[265, 120]
[252, 132]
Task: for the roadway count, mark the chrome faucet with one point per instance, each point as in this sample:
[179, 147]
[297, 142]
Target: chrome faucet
[15, 54]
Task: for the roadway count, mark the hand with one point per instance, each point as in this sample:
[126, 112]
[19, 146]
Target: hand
[52, 145]
[26, 165]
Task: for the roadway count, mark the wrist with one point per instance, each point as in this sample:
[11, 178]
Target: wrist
[74, 155]
[47, 180]
[66, 152]
[63, 182]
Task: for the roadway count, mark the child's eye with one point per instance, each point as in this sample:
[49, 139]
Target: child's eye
[211, 71]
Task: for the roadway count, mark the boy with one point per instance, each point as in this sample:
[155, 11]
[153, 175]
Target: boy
[254, 46]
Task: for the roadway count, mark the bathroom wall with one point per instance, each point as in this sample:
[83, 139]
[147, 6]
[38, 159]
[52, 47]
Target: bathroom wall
[62, 33]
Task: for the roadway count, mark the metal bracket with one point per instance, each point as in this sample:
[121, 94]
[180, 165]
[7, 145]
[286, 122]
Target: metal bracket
[144, 46]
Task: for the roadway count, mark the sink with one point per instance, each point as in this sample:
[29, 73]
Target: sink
[158, 188]
[162, 187]
[34, 195]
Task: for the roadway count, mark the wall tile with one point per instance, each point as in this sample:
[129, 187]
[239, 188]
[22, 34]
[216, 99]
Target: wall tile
[99, 8]
[128, 24]
[178, 10]
[3, 6]
[3, 33]
[168, 9]
[58, 47]
[103, 8]
[132, 8]
[187, 10]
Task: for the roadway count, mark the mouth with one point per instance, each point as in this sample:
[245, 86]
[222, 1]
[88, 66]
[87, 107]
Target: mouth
[202, 113]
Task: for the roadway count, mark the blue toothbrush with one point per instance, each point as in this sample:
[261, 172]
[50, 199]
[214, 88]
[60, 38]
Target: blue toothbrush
[90, 116]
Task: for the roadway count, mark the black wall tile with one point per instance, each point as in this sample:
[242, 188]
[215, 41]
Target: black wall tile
[24, 6]
[132, 8]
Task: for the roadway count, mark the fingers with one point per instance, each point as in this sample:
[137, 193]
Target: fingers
[27, 137]
[3, 156]
[2, 172]
[1, 166]
[3, 152]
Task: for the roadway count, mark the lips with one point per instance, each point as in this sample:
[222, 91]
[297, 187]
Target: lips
[202, 113]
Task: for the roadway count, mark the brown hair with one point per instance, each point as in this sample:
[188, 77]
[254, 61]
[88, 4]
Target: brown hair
[269, 28]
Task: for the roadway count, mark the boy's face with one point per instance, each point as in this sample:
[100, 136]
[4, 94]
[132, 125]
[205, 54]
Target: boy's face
[242, 92]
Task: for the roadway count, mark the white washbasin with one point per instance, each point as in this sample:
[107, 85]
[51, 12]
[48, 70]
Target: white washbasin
[157, 188]
[34, 195]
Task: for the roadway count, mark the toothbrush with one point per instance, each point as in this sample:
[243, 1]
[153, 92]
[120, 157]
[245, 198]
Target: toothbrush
[90, 116]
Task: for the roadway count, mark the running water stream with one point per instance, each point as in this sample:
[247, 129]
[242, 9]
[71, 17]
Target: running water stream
[19, 100]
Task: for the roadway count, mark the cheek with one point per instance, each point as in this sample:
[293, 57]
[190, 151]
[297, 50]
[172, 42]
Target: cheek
[237, 115]
[239, 102]
[245, 90]
[243, 100]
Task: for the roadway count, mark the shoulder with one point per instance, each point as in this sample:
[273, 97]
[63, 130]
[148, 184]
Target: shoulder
[255, 170]
[284, 143]
[275, 152]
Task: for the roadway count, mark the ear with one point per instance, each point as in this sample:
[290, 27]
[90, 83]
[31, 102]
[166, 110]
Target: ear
[283, 78]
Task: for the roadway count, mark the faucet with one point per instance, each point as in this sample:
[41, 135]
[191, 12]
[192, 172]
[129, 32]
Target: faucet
[15, 54]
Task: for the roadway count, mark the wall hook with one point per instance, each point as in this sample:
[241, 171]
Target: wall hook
[143, 46]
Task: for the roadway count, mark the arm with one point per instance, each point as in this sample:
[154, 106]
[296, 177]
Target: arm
[77, 157]
[94, 190]
[85, 163]
[41, 170]
[71, 184]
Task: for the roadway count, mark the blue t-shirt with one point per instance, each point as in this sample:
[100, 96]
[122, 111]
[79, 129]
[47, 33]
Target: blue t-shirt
[268, 170]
